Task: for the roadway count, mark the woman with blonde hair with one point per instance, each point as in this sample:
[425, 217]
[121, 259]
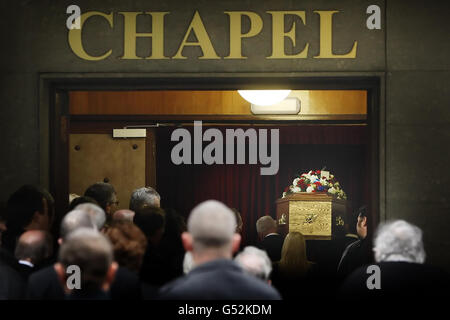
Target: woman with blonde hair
[293, 270]
[293, 255]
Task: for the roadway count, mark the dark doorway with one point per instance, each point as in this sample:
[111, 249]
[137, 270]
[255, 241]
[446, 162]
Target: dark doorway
[62, 123]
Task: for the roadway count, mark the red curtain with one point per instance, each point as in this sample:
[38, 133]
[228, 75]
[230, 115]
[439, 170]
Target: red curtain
[341, 149]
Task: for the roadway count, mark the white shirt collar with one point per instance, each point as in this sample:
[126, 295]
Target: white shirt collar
[271, 234]
[27, 263]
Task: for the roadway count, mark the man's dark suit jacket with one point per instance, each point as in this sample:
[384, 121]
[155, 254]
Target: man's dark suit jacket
[90, 295]
[12, 285]
[7, 258]
[220, 279]
[272, 244]
[398, 280]
[25, 271]
[355, 255]
[44, 285]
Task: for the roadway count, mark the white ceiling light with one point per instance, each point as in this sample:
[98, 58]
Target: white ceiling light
[287, 106]
[264, 97]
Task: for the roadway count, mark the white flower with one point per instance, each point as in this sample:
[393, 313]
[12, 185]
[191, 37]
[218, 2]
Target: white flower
[333, 188]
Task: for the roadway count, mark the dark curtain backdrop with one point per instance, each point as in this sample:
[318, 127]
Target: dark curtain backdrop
[342, 149]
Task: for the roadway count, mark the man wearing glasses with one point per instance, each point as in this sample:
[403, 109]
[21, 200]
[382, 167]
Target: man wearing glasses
[106, 197]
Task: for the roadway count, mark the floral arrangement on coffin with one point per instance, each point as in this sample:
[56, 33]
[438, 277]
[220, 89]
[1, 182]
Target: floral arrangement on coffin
[316, 181]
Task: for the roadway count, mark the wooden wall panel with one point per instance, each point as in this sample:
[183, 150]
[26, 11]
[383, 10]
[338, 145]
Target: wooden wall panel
[96, 157]
[179, 102]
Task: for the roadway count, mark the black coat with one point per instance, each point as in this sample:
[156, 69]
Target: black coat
[90, 295]
[44, 285]
[398, 280]
[220, 279]
[355, 255]
[292, 287]
[25, 271]
[272, 244]
[12, 284]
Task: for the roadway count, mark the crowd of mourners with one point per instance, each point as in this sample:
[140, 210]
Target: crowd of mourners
[97, 252]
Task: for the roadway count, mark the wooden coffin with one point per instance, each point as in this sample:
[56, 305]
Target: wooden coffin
[318, 216]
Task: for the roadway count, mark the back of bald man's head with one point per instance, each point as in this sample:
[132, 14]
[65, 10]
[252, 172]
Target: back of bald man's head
[34, 246]
[212, 224]
[123, 215]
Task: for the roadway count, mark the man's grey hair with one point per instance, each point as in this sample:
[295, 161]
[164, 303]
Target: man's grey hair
[144, 197]
[212, 225]
[399, 241]
[92, 252]
[255, 261]
[75, 219]
[264, 224]
[96, 212]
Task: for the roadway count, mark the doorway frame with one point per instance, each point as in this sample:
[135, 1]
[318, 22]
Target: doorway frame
[54, 117]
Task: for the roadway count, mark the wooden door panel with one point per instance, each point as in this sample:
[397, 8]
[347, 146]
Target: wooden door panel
[99, 157]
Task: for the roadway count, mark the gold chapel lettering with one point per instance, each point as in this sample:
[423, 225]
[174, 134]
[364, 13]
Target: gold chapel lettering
[130, 35]
[278, 35]
[236, 35]
[203, 40]
[75, 41]
[197, 28]
[326, 37]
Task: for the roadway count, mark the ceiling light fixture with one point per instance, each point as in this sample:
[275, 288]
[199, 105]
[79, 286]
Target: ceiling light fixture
[264, 97]
[287, 106]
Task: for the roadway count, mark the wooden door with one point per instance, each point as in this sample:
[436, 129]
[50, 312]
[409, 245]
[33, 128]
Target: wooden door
[100, 158]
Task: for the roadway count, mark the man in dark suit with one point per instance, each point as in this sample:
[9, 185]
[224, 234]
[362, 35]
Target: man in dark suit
[212, 239]
[400, 271]
[106, 197]
[45, 285]
[357, 253]
[271, 241]
[12, 285]
[29, 208]
[33, 248]
[92, 253]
